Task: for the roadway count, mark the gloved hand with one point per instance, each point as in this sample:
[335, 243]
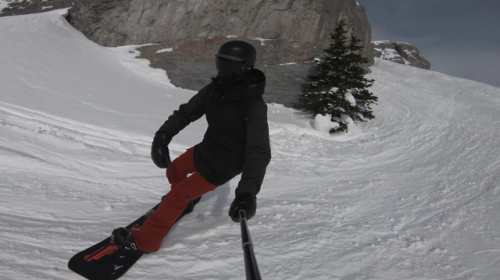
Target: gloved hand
[245, 201]
[159, 150]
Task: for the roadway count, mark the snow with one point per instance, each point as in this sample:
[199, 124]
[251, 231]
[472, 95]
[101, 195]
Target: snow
[165, 50]
[324, 123]
[350, 98]
[262, 40]
[4, 4]
[389, 54]
[413, 194]
[381, 42]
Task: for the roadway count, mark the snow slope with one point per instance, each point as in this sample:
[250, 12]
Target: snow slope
[413, 194]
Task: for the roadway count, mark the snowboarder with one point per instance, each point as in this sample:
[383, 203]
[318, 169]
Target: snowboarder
[235, 142]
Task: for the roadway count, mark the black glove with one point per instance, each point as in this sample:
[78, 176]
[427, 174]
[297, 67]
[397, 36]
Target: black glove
[245, 201]
[159, 150]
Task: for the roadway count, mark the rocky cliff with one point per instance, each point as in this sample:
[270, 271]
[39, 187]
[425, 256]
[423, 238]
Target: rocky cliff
[402, 53]
[286, 33]
[114, 23]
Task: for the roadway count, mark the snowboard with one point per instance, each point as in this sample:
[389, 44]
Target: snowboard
[104, 260]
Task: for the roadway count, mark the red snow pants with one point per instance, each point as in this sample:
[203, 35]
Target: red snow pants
[183, 190]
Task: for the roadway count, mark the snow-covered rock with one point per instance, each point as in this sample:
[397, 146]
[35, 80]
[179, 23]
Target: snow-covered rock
[399, 52]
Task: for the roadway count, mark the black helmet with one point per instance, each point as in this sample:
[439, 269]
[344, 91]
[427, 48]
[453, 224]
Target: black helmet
[234, 57]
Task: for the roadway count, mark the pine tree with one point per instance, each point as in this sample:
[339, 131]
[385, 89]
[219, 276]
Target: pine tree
[340, 88]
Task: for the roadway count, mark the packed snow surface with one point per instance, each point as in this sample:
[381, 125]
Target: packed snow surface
[413, 194]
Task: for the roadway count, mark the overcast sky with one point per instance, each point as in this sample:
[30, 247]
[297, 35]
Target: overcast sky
[459, 37]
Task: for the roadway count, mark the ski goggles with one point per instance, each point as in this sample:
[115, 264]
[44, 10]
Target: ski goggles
[229, 67]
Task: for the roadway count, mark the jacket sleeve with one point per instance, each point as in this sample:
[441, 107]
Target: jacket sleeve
[258, 150]
[186, 114]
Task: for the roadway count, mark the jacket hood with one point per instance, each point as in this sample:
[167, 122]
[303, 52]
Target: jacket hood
[256, 80]
[253, 84]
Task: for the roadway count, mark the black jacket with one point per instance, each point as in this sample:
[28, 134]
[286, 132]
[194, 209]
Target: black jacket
[237, 137]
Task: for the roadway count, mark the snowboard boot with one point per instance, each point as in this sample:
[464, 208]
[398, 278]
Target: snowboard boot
[190, 206]
[122, 238]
